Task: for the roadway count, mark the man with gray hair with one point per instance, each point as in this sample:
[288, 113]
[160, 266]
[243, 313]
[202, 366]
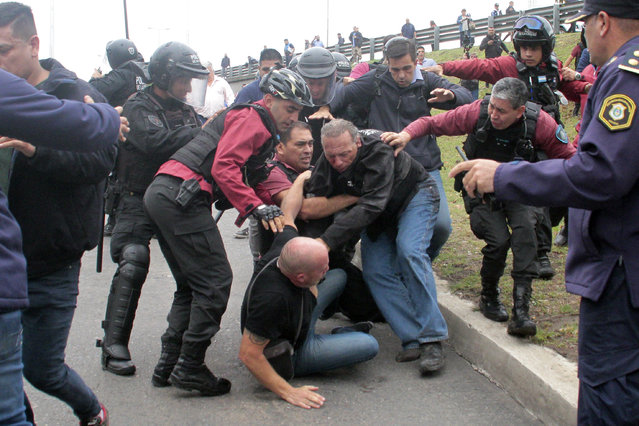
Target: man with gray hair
[394, 96]
[395, 215]
[504, 127]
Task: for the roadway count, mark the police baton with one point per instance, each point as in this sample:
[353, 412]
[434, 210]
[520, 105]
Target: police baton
[486, 198]
[218, 216]
[98, 259]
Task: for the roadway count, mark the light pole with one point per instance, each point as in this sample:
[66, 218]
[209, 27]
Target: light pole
[126, 21]
[327, 3]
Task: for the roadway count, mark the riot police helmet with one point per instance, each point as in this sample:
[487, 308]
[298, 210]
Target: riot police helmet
[286, 84]
[292, 64]
[173, 62]
[343, 65]
[533, 30]
[318, 68]
[120, 51]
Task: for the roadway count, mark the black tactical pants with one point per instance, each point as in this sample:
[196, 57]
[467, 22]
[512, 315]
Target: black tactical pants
[133, 225]
[193, 248]
[493, 228]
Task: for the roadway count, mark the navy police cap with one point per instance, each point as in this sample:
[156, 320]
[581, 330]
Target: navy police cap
[618, 8]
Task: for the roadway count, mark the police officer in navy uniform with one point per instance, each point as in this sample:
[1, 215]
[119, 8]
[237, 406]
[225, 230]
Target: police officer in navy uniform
[161, 123]
[601, 186]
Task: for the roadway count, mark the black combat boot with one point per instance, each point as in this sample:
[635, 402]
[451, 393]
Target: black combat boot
[116, 357]
[164, 367]
[521, 325]
[489, 303]
[121, 306]
[545, 270]
[190, 374]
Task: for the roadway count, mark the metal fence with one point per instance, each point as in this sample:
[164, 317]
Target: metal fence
[556, 14]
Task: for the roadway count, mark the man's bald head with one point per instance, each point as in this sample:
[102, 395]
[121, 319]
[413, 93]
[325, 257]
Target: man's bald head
[304, 261]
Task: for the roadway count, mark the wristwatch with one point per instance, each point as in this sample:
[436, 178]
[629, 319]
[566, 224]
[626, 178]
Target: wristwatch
[578, 76]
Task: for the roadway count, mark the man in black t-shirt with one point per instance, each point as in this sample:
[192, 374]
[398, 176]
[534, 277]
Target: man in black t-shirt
[283, 303]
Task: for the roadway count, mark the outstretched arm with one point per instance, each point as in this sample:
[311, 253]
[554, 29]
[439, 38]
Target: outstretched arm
[252, 355]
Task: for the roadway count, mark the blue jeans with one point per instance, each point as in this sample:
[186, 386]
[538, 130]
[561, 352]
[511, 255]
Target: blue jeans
[443, 224]
[47, 321]
[321, 352]
[399, 274]
[11, 392]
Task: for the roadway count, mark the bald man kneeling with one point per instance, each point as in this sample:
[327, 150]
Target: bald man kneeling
[281, 306]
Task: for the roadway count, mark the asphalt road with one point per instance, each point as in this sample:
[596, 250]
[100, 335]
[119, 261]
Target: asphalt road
[380, 391]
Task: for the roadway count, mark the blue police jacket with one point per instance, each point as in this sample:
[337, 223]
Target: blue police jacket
[600, 183]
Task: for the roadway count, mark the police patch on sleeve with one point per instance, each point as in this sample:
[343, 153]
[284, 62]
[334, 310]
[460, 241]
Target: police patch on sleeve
[617, 112]
[561, 134]
[155, 120]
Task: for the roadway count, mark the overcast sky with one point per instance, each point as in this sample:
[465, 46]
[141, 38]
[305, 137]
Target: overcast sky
[76, 32]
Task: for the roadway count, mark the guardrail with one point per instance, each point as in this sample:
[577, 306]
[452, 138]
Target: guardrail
[556, 14]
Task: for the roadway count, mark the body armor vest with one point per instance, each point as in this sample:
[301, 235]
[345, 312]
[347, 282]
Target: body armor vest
[135, 169]
[198, 155]
[291, 174]
[505, 145]
[542, 84]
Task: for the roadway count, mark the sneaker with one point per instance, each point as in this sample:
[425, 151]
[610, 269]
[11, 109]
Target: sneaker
[432, 357]
[102, 418]
[241, 234]
[362, 327]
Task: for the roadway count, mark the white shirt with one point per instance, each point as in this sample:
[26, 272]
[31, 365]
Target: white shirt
[219, 95]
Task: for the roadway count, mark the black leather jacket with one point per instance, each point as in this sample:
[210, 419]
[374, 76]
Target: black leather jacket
[384, 184]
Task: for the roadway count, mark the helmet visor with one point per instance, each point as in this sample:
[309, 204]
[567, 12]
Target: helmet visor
[197, 96]
[529, 22]
[322, 89]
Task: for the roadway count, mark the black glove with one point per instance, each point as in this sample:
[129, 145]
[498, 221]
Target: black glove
[266, 213]
[458, 186]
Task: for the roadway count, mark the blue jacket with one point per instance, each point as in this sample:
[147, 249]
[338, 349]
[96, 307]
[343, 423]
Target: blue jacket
[56, 196]
[31, 115]
[600, 183]
[392, 107]
[249, 93]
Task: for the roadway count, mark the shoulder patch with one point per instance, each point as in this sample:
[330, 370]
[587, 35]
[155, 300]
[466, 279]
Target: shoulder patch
[617, 112]
[561, 134]
[631, 60]
[155, 120]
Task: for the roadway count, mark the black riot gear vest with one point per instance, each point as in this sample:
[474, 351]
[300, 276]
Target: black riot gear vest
[291, 174]
[505, 145]
[137, 79]
[542, 84]
[198, 155]
[135, 169]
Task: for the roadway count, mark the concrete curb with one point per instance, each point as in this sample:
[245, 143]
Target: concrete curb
[543, 381]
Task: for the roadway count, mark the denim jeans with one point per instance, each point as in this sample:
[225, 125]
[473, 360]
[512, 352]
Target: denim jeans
[47, 321]
[321, 352]
[11, 392]
[399, 274]
[443, 224]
